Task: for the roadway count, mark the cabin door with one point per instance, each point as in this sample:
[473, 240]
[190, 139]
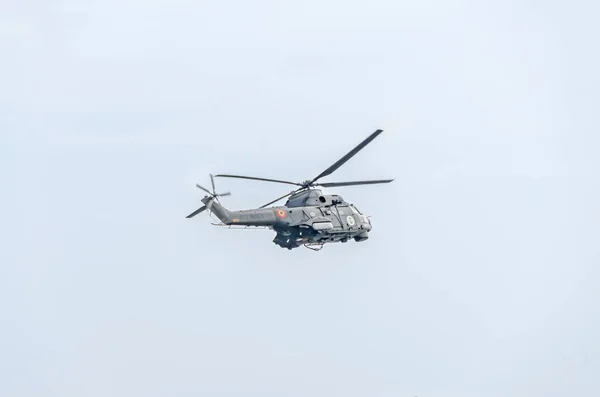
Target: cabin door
[346, 215]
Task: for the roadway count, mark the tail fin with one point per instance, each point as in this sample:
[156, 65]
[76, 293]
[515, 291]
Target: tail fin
[214, 206]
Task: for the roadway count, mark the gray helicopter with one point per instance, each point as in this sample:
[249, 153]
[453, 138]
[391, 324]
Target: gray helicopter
[309, 218]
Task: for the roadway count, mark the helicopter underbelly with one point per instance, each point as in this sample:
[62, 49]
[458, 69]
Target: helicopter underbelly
[319, 233]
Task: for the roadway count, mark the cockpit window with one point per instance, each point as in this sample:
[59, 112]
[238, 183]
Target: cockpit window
[355, 210]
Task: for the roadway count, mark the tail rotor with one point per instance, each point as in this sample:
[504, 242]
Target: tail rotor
[208, 199]
[214, 193]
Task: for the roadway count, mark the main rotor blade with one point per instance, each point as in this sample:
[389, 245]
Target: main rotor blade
[257, 179]
[199, 210]
[224, 194]
[336, 184]
[203, 188]
[348, 156]
[280, 198]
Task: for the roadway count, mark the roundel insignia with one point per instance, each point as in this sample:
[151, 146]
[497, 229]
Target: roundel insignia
[350, 220]
[281, 213]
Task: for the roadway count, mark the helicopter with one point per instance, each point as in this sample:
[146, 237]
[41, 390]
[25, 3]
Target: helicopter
[309, 218]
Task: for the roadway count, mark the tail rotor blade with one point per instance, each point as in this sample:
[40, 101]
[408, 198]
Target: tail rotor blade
[199, 210]
[203, 188]
[212, 182]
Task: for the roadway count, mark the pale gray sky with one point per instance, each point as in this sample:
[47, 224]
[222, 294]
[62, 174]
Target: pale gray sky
[481, 275]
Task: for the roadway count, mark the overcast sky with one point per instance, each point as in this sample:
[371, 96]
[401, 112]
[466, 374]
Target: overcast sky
[480, 278]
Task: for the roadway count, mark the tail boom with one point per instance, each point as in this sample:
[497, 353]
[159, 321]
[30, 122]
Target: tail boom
[257, 217]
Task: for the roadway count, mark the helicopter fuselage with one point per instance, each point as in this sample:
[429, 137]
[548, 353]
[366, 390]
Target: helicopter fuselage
[308, 218]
